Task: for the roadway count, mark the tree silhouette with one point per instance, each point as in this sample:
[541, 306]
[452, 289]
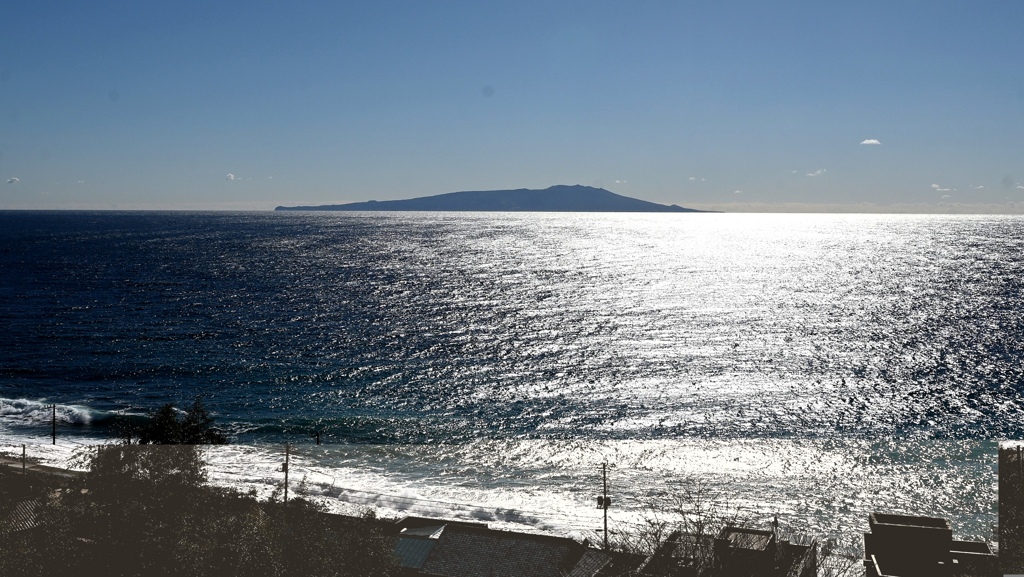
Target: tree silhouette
[165, 428]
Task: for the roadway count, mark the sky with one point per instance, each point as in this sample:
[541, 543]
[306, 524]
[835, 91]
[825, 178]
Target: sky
[874, 106]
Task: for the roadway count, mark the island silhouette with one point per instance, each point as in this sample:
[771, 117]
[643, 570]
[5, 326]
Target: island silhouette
[559, 198]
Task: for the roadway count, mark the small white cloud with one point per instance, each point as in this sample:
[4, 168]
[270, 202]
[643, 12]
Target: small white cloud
[13, 180]
[793, 172]
[620, 182]
[737, 192]
[936, 187]
[230, 176]
[818, 172]
[693, 178]
[871, 141]
[1020, 186]
[979, 187]
[703, 179]
[945, 196]
[81, 182]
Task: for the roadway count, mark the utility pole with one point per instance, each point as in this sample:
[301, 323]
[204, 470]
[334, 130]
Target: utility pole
[775, 544]
[285, 468]
[604, 501]
[54, 424]
[23, 458]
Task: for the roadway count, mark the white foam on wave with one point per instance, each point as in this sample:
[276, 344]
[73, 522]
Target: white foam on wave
[27, 412]
[64, 454]
[826, 488]
[345, 485]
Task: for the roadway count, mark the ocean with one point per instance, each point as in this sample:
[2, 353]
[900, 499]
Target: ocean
[484, 365]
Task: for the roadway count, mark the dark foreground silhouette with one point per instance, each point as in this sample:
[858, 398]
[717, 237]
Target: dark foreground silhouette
[146, 509]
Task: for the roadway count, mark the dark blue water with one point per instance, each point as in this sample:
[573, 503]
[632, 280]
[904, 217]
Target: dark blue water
[819, 332]
[414, 327]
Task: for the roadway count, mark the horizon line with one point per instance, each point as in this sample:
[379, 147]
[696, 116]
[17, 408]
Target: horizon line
[1011, 208]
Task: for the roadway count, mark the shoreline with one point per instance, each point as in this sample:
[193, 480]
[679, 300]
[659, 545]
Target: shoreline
[837, 555]
[820, 487]
[394, 482]
[37, 468]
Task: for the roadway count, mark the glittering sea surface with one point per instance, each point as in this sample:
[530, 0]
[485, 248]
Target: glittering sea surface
[483, 365]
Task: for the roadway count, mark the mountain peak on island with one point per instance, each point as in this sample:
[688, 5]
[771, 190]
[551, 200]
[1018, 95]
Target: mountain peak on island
[558, 198]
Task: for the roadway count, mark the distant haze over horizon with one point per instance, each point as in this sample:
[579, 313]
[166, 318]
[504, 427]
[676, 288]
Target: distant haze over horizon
[735, 106]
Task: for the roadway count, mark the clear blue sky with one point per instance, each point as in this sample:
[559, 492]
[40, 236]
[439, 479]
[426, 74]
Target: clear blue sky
[238, 105]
